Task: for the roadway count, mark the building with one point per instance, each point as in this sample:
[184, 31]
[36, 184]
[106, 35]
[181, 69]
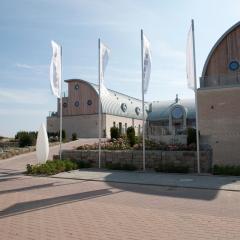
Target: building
[219, 98]
[165, 120]
[80, 111]
[169, 120]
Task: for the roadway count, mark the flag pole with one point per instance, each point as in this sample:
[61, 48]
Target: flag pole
[196, 99]
[143, 110]
[99, 106]
[60, 150]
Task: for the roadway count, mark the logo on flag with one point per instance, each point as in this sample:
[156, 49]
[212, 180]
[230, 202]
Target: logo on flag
[104, 56]
[147, 58]
[55, 70]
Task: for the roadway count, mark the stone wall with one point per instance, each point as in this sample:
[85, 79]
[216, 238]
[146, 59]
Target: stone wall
[153, 158]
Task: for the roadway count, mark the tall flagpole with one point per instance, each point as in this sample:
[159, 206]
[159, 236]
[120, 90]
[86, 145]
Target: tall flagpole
[60, 150]
[99, 105]
[196, 99]
[143, 110]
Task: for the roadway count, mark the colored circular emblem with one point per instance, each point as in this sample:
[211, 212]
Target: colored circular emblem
[137, 110]
[177, 113]
[89, 102]
[233, 65]
[76, 104]
[76, 86]
[124, 107]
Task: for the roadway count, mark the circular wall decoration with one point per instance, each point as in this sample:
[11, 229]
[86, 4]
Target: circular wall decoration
[76, 86]
[89, 102]
[233, 65]
[124, 107]
[137, 110]
[177, 113]
[76, 104]
[65, 105]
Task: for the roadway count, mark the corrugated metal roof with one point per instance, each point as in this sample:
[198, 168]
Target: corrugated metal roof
[161, 110]
[119, 104]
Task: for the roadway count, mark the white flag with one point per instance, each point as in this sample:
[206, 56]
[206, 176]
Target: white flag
[147, 60]
[55, 70]
[190, 60]
[104, 56]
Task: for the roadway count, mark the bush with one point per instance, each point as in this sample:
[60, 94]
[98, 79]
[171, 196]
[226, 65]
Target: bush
[226, 170]
[26, 138]
[74, 136]
[131, 136]
[171, 168]
[191, 136]
[52, 167]
[115, 132]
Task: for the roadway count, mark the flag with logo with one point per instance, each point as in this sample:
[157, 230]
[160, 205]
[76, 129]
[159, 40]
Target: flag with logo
[190, 60]
[55, 70]
[147, 60]
[104, 56]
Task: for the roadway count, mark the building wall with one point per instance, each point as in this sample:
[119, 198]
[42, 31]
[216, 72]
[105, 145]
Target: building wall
[110, 119]
[83, 94]
[227, 50]
[85, 126]
[219, 123]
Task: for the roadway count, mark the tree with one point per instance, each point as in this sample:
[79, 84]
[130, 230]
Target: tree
[114, 132]
[131, 136]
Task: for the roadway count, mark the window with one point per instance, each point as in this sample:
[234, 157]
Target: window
[76, 86]
[89, 102]
[65, 105]
[114, 124]
[233, 65]
[124, 107]
[126, 127]
[76, 104]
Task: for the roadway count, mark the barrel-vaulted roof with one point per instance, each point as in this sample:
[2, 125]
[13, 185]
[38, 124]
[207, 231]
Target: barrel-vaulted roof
[118, 104]
[160, 110]
[216, 46]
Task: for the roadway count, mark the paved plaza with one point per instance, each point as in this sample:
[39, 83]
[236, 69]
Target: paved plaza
[93, 208]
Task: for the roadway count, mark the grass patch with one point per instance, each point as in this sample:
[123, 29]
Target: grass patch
[171, 168]
[226, 170]
[54, 167]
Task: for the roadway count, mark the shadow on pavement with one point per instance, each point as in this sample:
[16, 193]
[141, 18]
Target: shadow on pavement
[24, 207]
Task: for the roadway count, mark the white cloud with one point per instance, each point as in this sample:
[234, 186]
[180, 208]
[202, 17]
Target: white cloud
[25, 66]
[29, 96]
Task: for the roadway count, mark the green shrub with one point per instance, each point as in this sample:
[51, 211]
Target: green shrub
[191, 136]
[26, 138]
[226, 170]
[74, 136]
[131, 136]
[171, 168]
[52, 167]
[115, 132]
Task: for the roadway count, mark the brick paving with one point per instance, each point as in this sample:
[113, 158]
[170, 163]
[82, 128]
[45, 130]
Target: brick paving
[52, 208]
[49, 208]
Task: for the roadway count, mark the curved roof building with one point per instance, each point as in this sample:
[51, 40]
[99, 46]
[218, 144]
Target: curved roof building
[222, 65]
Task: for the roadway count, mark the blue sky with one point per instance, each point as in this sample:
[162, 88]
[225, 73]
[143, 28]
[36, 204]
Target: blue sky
[27, 27]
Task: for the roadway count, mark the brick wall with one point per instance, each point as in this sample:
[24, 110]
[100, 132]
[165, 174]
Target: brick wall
[153, 158]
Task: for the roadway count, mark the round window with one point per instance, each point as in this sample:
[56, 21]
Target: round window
[76, 86]
[76, 104]
[177, 112]
[89, 102]
[137, 110]
[124, 107]
[233, 65]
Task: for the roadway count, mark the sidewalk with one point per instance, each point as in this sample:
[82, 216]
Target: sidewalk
[156, 179]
